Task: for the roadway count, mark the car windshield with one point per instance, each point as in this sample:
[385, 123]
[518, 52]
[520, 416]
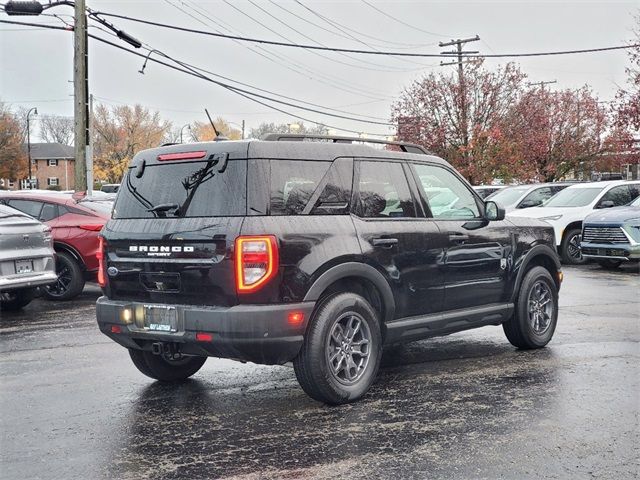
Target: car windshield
[508, 196]
[7, 212]
[574, 197]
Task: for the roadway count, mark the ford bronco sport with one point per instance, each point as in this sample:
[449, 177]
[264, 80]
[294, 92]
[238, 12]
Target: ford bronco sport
[313, 250]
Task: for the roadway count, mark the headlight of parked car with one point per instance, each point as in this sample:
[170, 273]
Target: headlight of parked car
[552, 217]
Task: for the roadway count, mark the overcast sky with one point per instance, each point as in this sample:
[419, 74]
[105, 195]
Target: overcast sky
[37, 65]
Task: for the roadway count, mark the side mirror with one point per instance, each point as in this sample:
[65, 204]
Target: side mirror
[493, 211]
[606, 204]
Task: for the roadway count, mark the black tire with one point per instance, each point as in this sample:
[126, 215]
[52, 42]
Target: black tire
[70, 281]
[570, 248]
[521, 329]
[609, 264]
[313, 366]
[163, 369]
[14, 300]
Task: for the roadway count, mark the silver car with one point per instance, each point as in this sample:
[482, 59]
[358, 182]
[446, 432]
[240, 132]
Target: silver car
[26, 258]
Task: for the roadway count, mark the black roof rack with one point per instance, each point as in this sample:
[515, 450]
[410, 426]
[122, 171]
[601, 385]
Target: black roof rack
[299, 137]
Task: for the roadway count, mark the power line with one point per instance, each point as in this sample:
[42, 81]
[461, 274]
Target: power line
[363, 52]
[403, 22]
[384, 67]
[289, 63]
[248, 96]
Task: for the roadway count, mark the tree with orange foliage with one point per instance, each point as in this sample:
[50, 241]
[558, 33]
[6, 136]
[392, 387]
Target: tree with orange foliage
[13, 159]
[119, 133]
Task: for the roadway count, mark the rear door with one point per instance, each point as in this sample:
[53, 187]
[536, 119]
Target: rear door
[477, 257]
[396, 237]
[173, 229]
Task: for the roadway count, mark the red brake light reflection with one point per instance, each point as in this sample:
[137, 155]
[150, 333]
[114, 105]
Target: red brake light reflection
[167, 157]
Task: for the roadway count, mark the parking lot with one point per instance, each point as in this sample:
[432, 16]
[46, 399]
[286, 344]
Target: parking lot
[464, 406]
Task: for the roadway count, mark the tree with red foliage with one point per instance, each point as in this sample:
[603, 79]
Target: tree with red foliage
[555, 133]
[431, 112]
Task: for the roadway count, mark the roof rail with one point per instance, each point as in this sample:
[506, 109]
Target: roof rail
[299, 137]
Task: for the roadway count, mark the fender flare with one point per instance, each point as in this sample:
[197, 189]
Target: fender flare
[535, 251]
[354, 269]
[71, 251]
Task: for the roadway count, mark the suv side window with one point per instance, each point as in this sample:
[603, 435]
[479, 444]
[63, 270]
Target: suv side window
[536, 197]
[30, 207]
[292, 184]
[446, 194]
[619, 195]
[383, 191]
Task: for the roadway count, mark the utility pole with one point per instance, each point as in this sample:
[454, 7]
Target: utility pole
[463, 93]
[242, 129]
[81, 94]
[541, 84]
[90, 148]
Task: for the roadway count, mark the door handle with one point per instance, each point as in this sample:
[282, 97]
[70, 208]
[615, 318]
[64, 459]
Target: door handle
[384, 242]
[457, 237]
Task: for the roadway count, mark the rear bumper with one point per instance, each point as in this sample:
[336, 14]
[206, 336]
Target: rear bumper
[624, 251]
[254, 333]
[27, 281]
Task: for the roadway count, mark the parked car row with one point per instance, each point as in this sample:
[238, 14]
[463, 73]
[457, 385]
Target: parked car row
[575, 210]
[74, 222]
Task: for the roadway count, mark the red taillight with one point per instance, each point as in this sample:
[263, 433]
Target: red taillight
[92, 227]
[204, 337]
[167, 157]
[102, 278]
[256, 261]
[116, 329]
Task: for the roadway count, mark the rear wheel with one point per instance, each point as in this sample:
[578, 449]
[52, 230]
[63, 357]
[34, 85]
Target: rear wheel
[609, 264]
[570, 248]
[70, 279]
[16, 299]
[341, 352]
[164, 368]
[536, 312]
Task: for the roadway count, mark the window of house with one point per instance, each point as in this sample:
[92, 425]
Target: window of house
[52, 181]
[52, 162]
[11, 183]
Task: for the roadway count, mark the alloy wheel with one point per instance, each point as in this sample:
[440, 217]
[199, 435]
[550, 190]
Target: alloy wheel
[541, 307]
[348, 348]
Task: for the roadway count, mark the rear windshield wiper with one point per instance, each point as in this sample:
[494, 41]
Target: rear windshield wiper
[163, 207]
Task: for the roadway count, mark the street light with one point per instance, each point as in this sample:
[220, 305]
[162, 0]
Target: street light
[35, 112]
[188, 126]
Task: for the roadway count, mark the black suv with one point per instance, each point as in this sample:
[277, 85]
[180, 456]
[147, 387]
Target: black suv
[313, 250]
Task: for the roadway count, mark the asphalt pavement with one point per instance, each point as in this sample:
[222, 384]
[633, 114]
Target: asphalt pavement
[464, 406]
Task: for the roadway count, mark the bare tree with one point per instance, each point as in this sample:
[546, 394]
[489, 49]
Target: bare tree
[56, 129]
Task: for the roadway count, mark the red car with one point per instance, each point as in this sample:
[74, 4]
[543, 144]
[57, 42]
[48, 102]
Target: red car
[75, 223]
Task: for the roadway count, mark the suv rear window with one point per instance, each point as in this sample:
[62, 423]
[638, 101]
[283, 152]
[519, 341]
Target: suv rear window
[196, 188]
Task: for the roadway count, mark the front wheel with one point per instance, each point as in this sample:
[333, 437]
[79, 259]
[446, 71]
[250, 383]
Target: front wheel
[163, 368]
[536, 312]
[570, 248]
[341, 352]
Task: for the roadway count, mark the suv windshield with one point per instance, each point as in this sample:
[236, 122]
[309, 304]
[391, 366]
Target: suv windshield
[574, 197]
[184, 189]
[508, 196]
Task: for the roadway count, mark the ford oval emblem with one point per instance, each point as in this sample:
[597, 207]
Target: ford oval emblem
[112, 271]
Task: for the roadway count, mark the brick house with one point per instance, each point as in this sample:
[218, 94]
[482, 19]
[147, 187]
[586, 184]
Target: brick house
[52, 165]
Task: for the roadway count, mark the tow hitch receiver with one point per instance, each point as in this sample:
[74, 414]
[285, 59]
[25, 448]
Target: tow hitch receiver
[171, 350]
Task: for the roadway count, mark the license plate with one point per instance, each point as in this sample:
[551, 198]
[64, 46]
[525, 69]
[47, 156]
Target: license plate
[160, 318]
[24, 266]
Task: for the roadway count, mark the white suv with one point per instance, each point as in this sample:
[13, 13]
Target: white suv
[567, 209]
